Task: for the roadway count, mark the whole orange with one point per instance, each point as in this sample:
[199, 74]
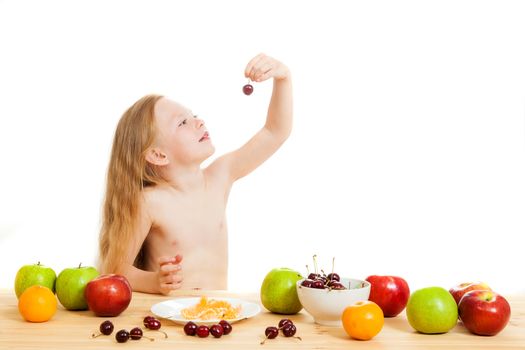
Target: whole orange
[37, 304]
[363, 320]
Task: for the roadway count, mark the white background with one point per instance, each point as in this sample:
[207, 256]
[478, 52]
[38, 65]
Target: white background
[407, 155]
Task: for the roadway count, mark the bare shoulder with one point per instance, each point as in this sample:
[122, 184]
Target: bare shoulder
[153, 198]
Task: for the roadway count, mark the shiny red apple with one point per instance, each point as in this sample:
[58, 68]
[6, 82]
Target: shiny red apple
[484, 312]
[108, 295]
[391, 293]
[462, 288]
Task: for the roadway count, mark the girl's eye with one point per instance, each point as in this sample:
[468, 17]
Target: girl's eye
[183, 122]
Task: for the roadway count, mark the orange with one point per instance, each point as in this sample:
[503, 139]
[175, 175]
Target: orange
[37, 304]
[363, 320]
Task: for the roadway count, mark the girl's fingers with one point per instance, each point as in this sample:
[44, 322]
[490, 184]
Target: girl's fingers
[170, 268]
[263, 70]
[166, 260]
[167, 287]
[172, 278]
[163, 260]
[265, 76]
[249, 67]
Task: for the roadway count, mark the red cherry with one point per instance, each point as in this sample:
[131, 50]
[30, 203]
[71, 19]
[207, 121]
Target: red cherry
[216, 330]
[247, 89]
[226, 327]
[203, 331]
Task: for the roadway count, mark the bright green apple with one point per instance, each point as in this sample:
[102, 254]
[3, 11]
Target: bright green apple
[432, 310]
[70, 286]
[279, 293]
[36, 274]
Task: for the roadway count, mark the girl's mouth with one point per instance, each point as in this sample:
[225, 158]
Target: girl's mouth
[205, 137]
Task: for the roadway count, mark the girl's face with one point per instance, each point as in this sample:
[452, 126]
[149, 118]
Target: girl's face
[180, 134]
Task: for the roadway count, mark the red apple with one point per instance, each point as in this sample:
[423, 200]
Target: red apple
[484, 312]
[391, 293]
[108, 295]
[462, 288]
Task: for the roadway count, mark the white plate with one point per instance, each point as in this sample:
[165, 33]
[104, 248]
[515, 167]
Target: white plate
[170, 309]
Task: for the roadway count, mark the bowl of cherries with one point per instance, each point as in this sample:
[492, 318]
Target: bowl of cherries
[325, 296]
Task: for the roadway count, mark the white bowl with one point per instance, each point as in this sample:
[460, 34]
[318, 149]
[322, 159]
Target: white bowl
[326, 306]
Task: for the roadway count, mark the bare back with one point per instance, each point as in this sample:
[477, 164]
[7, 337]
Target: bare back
[192, 224]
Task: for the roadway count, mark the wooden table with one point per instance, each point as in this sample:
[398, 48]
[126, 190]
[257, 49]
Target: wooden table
[73, 329]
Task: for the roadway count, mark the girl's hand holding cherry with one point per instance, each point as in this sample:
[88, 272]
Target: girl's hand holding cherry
[263, 67]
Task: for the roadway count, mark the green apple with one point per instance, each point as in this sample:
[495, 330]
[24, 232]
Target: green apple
[279, 293]
[36, 274]
[432, 310]
[70, 286]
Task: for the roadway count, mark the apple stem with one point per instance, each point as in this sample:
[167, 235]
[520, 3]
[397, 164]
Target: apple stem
[79, 265]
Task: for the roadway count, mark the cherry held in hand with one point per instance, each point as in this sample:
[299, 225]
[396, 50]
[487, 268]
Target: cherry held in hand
[247, 89]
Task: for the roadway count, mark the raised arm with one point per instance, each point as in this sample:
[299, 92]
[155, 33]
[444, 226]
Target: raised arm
[278, 124]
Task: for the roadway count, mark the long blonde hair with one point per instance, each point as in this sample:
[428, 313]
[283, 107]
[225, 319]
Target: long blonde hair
[128, 173]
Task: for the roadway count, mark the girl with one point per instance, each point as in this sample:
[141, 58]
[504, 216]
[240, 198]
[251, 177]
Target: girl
[161, 206]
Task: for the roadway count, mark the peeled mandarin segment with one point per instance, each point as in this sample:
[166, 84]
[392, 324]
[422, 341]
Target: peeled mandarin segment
[207, 309]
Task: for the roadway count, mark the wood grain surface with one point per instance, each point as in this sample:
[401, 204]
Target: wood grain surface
[73, 329]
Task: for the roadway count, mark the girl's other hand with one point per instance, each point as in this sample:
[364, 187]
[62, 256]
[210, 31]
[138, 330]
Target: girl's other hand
[263, 67]
[169, 273]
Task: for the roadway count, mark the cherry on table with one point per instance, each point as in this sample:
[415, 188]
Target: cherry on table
[135, 333]
[122, 336]
[270, 333]
[203, 331]
[190, 328]
[154, 324]
[216, 330]
[147, 320]
[284, 322]
[106, 328]
[226, 327]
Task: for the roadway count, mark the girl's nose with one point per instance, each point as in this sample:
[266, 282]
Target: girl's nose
[199, 123]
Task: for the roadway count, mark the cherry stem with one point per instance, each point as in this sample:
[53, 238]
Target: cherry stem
[307, 269]
[150, 339]
[158, 330]
[298, 338]
[333, 263]
[95, 335]
[315, 263]
[265, 339]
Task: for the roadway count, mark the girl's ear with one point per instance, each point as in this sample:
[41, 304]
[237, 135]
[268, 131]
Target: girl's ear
[156, 157]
